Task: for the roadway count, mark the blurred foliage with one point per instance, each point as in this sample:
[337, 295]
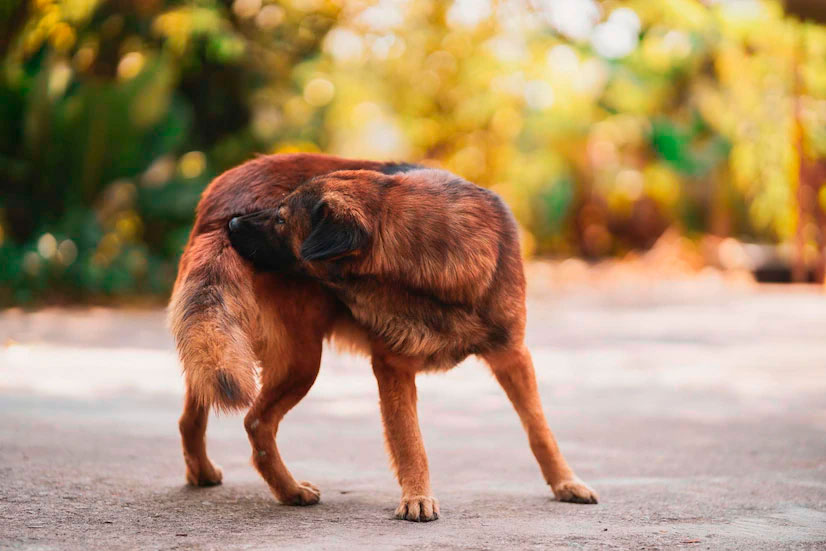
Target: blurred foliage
[601, 123]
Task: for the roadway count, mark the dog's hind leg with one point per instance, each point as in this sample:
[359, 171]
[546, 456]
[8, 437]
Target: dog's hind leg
[396, 377]
[514, 370]
[276, 398]
[193, 423]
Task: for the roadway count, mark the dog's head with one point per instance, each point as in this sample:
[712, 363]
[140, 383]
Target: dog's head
[327, 219]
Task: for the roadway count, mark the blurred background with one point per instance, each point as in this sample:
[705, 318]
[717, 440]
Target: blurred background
[661, 156]
[609, 127]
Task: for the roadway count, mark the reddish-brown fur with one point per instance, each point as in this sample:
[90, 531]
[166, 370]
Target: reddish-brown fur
[433, 270]
[230, 321]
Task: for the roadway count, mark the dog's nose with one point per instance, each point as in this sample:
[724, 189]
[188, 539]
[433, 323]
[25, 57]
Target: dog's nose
[235, 224]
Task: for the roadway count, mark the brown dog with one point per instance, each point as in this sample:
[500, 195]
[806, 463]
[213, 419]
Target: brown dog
[426, 261]
[230, 319]
[429, 264]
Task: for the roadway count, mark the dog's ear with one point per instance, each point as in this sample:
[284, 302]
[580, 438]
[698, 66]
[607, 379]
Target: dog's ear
[332, 235]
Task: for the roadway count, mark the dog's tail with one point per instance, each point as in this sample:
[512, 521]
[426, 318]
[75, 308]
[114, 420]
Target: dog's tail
[211, 314]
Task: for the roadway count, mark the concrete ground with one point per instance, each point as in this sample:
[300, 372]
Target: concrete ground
[697, 411]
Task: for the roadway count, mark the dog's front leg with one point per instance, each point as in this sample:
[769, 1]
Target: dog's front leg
[396, 378]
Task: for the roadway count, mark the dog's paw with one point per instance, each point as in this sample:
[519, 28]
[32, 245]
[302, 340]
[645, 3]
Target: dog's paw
[574, 491]
[306, 494]
[210, 475]
[418, 509]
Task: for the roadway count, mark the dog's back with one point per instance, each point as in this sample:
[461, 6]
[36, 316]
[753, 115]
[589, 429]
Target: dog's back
[441, 233]
[442, 277]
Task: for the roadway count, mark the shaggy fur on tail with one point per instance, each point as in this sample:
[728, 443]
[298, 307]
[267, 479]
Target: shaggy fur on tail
[211, 314]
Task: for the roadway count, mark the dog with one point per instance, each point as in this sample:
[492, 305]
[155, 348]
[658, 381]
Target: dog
[237, 309]
[428, 263]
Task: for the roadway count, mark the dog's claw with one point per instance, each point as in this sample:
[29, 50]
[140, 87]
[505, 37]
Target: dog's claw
[418, 509]
[575, 491]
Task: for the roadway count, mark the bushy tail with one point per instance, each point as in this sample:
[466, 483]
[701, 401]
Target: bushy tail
[211, 314]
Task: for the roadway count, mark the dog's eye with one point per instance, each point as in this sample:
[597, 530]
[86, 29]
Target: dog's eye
[279, 219]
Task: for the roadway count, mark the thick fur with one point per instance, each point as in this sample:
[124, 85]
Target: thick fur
[212, 317]
[259, 318]
[429, 265]
[428, 262]
[213, 314]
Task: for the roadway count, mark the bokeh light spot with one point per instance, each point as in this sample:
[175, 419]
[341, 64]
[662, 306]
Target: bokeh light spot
[130, 65]
[539, 94]
[47, 246]
[318, 92]
[270, 17]
[66, 252]
[613, 40]
[59, 79]
[468, 13]
[344, 45]
[246, 8]
[192, 164]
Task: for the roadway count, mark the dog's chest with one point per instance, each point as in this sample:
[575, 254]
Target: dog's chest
[413, 323]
